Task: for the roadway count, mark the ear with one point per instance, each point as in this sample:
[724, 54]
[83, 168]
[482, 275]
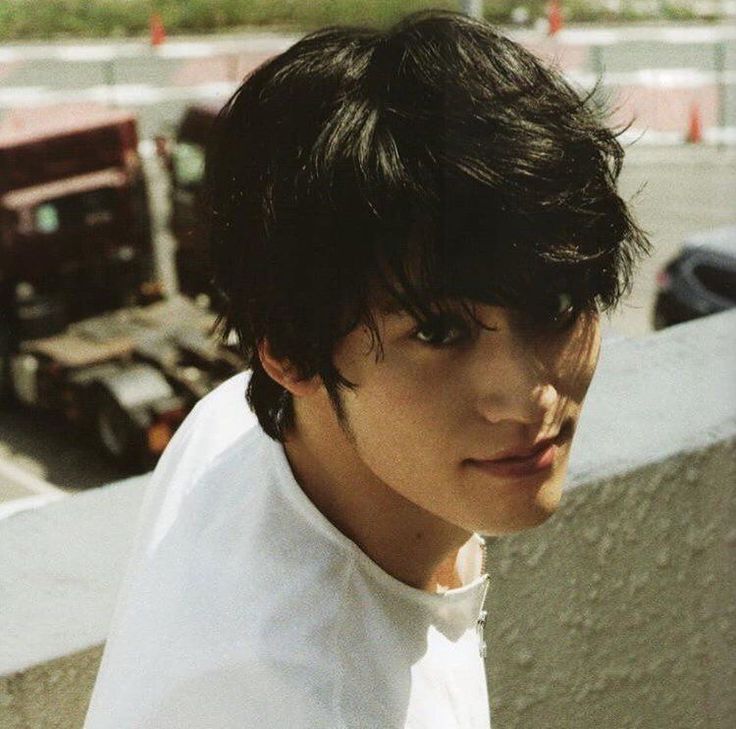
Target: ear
[282, 371]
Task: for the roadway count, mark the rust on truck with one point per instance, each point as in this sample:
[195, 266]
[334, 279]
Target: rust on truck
[43, 144]
[75, 350]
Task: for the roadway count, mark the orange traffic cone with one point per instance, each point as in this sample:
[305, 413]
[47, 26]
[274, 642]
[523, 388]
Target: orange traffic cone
[158, 32]
[695, 126]
[554, 17]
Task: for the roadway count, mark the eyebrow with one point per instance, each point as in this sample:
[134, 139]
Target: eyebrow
[395, 308]
[390, 305]
[392, 308]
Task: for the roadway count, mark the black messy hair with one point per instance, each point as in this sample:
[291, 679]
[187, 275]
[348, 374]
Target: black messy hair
[433, 162]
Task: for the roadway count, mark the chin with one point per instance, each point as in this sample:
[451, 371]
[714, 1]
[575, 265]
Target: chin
[527, 512]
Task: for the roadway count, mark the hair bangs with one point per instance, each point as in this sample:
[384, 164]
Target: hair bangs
[472, 247]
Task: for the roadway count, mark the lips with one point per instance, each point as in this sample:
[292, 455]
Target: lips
[525, 461]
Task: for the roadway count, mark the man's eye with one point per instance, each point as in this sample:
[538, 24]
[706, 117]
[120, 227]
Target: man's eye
[441, 333]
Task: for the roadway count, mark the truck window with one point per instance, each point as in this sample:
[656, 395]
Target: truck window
[188, 161]
[75, 211]
[46, 218]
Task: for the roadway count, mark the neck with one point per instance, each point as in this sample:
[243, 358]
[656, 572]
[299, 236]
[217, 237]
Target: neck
[406, 541]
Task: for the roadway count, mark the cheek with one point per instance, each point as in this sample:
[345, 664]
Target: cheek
[394, 399]
[578, 359]
[400, 412]
[400, 386]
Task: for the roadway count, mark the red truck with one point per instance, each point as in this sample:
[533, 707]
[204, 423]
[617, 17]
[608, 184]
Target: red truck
[84, 329]
[74, 221]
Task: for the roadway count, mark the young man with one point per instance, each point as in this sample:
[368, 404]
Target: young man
[414, 232]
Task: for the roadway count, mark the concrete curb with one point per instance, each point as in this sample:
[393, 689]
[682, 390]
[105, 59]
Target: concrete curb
[21, 490]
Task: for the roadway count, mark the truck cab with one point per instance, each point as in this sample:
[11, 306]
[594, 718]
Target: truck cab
[74, 220]
[183, 156]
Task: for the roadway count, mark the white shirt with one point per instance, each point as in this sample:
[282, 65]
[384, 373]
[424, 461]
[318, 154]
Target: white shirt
[245, 607]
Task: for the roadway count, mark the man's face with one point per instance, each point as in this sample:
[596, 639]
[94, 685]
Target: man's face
[473, 424]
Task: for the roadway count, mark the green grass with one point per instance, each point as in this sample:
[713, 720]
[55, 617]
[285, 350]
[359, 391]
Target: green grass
[100, 18]
[25, 19]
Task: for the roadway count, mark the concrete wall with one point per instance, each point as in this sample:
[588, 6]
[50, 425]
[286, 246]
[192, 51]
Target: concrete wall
[51, 695]
[618, 613]
[20, 489]
[58, 578]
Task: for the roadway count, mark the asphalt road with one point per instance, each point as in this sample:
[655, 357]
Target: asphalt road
[674, 191]
[653, 74]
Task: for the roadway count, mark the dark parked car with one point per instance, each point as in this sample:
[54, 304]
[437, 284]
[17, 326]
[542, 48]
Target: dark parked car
[701, 280]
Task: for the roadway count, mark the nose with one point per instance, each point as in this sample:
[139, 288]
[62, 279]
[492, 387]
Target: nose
[516, 383]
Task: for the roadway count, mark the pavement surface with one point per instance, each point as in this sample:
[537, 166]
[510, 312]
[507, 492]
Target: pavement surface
[674, 189]
[674, 192]
[655, 77]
